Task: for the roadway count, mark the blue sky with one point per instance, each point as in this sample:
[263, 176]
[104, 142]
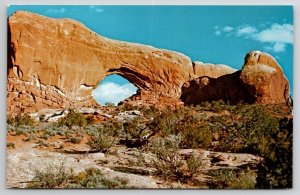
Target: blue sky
[214, 34]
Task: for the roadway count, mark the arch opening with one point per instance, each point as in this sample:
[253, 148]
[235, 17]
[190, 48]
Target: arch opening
[113, 89]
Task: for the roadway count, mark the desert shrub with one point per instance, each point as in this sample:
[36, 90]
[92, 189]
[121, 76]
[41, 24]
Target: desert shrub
[104, 136]
[51, 177]
[42, 143]
[109, 104]
[194, 164]
[167, 161]
[194, 133]
[94, 178]
[126, 107]
[10, 145]
[233, 179]
[45, 136]
[277, 169]
[75, 140]
[165, 122]
[22, 124]
[61, 177]
[74, 118]
[20, 120]
[188, 123]
[215, 106]
[54, 129]
[100, 141]
[150, 111]
[259, 130]
[30, 137]
[135, 129]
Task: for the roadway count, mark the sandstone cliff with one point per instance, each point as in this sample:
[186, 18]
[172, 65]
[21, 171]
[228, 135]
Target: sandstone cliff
[261, 80]
[264, 78]
[55, 63]
[211, 70]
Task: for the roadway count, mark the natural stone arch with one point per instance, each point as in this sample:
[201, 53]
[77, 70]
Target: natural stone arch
[65, 55]
[56, 63]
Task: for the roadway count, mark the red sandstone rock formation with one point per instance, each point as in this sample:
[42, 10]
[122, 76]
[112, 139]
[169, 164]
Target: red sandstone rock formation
[66, 54]
[261, 80]
[264, 78]
[55, 63]
[212, 70]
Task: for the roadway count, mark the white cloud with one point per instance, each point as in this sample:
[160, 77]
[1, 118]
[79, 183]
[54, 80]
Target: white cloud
[96, 9]
[227, 29]
[276, 34]
[245, 30]
[275, 37]
[279, 47]
[56, 11]
[217, 32]
[113, 93]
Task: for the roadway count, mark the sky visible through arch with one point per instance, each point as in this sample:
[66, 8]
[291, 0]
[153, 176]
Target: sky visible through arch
[214, 34]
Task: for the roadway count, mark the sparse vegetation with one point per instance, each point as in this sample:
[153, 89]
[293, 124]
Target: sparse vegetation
[51, 177]
[233, 179]
[194, 164]
[10, 145]
[103, 137]
[94, 178]
[61, 177]
[167, 160]
[20, 120]
[262, 130]
[74, 118]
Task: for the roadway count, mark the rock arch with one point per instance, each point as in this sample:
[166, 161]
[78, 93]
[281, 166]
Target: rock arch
[55, 63]
[64, 55]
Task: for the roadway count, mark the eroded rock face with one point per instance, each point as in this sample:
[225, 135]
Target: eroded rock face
[261, 80]
[264, 78]
[68, 56]
[56, 63]
[211, 70]
[227, 87]
[31, 96]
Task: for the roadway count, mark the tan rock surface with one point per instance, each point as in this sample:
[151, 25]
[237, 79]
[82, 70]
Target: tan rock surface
[211, 70]
[264, 78]
[56, 63]
[66, 54]
[261, 80]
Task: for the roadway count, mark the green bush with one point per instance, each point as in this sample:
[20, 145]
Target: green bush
[51, 177]
[277, 169]
[104, 136]
[75, 140]
[60, 177]
[94, 178]
[20, 120]
[74, 118]
[194, 164]
[232, 179]
[167, 161]
[194, 133]
[165, 121]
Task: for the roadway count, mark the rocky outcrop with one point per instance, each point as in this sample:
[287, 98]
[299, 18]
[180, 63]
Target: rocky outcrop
[261, 80]
[264, 78]
[228, 88]
[56, 63]
[211, 70]
[31, 96]
[67, 55]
